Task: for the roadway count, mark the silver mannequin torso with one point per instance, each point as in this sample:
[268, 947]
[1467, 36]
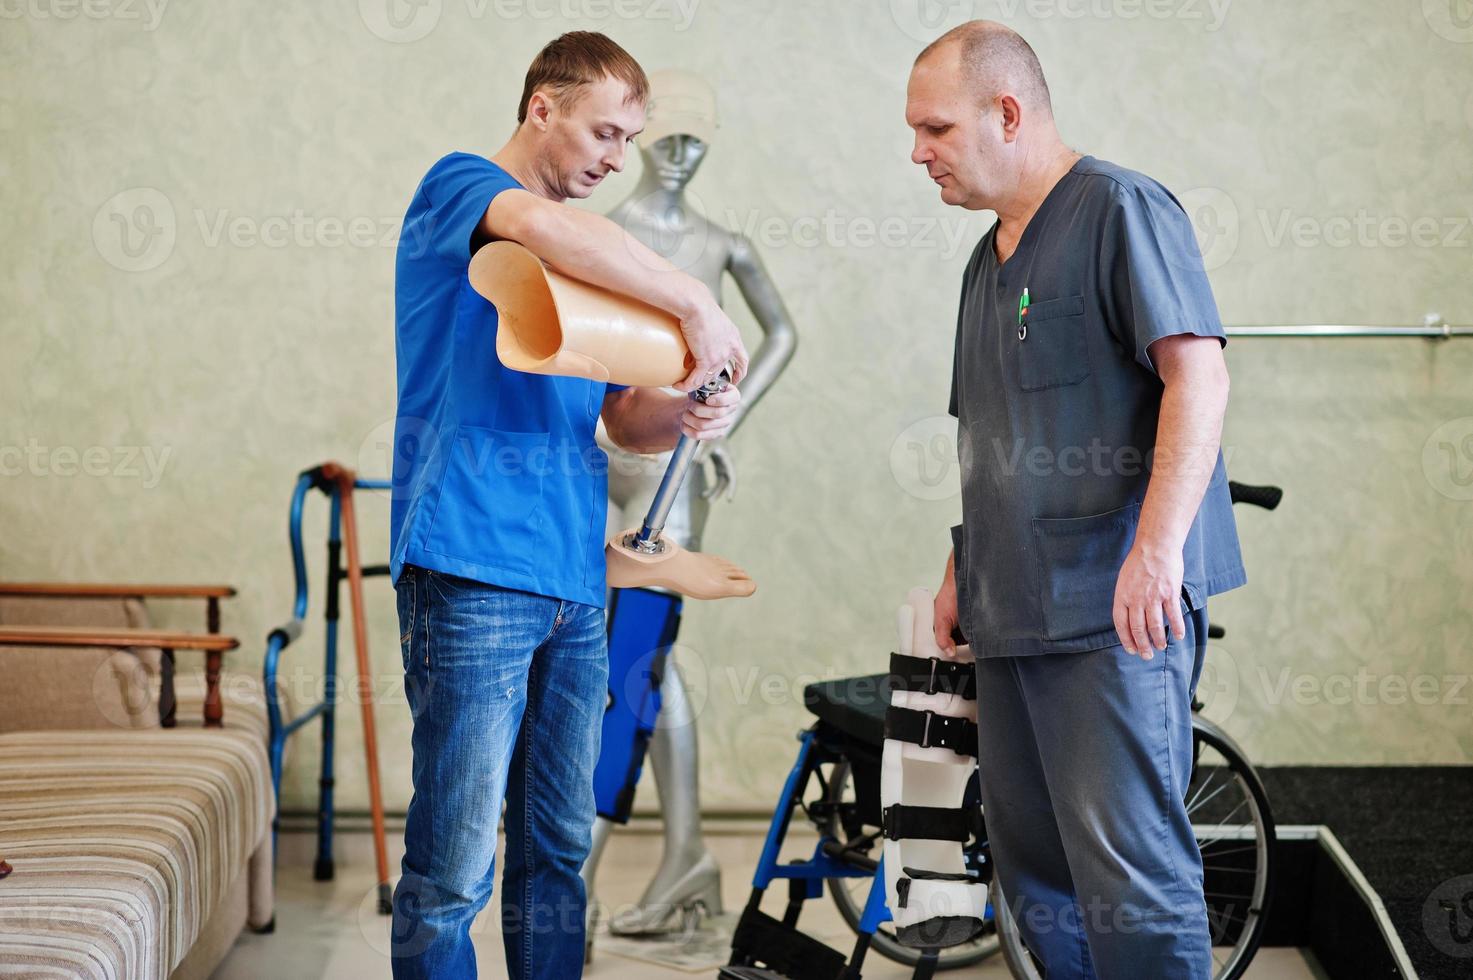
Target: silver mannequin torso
[658, 214]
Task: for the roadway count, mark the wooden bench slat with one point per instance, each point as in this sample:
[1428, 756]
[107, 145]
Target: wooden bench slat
[94, 636]
[95, 590]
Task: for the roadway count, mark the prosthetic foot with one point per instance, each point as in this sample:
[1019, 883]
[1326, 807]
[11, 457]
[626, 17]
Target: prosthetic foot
[691, 573]
[929, 757]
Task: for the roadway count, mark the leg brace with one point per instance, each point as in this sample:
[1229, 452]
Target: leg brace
[930, 755]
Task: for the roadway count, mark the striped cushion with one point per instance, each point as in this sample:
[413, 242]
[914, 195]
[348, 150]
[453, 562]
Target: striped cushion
[124, 842]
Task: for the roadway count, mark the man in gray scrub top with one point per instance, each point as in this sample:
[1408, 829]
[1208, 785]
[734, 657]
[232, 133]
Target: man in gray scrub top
[1090, 386]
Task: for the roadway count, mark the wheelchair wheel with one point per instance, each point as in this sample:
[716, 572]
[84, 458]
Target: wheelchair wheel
[850, 893]
[1235, 829]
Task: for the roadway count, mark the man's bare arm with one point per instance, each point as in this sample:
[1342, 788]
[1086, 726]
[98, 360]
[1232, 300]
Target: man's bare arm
[592, 248]
[1188, 435]
[649, 420]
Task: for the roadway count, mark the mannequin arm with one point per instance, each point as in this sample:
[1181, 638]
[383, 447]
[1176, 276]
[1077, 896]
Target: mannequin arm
[779, 340]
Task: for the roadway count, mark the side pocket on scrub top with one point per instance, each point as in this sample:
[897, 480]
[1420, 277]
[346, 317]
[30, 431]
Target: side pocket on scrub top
[1079, 561]
[489, 507]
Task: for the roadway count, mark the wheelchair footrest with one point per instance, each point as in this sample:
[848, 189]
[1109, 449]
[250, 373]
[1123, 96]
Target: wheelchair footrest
[762, 941]
[747, 973]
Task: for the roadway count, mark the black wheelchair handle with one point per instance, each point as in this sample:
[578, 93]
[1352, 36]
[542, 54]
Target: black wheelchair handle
[1266, 497]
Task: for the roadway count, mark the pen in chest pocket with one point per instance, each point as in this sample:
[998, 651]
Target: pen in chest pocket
[1023, 315]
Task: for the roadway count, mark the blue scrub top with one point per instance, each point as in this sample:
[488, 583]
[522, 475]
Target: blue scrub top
[496, 474]
[1056, 429]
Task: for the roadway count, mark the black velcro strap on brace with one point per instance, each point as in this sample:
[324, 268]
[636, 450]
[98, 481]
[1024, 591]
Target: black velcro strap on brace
[932, 675]
[931, 822]
[930, 730]
[921, 875]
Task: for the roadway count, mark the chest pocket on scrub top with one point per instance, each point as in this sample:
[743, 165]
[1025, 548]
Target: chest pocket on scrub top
[1055, 352]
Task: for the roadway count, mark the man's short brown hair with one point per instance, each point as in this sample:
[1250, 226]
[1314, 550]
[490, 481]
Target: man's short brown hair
[580, 58]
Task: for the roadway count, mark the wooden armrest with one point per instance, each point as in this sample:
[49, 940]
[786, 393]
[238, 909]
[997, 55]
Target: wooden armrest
[214, 644]
[104, 590]
[94, 636]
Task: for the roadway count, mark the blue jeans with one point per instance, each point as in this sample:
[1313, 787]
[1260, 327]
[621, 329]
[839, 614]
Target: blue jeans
[1085, 759]
[507, 690]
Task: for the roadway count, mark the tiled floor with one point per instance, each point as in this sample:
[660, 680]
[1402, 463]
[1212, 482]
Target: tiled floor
[332, 929]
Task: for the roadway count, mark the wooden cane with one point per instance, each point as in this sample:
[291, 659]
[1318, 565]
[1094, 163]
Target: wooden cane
[345, 478]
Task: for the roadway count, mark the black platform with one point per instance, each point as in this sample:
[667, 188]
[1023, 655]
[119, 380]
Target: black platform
[1409, 830]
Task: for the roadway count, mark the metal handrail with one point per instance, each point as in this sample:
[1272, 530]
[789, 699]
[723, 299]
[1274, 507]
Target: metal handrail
[1433, 327]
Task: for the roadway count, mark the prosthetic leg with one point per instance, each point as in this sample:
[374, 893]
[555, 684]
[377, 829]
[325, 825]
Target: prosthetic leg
[930, 755]
[642, 558]
[550, 324]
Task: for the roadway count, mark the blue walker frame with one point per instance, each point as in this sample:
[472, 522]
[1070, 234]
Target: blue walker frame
[284, 635]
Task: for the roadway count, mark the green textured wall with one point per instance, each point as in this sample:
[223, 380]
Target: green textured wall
[197, 265]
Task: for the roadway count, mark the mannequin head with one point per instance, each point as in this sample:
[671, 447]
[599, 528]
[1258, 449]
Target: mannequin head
[682, 120]
[674, 159]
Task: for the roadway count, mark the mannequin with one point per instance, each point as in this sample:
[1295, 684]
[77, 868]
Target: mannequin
[680, 125]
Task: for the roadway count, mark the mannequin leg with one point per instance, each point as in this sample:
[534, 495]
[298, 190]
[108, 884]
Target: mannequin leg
[603, 828]
[688, 875]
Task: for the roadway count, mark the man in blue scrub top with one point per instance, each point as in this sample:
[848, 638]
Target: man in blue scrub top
[1089, 385]
[498, 519]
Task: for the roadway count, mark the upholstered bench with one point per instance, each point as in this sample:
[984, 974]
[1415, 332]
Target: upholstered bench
[137, 853]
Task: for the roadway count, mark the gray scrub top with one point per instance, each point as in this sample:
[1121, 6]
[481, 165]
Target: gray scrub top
[1056, 429]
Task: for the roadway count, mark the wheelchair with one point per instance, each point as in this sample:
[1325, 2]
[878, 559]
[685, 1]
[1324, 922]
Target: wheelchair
[841, 752]
[840, 756]
[834, 781]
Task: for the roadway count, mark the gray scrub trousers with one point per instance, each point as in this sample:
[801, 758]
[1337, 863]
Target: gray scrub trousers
[1085, 750]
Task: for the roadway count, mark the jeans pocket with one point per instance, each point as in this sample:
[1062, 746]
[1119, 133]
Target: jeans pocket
[406, 603]
[1079, 561]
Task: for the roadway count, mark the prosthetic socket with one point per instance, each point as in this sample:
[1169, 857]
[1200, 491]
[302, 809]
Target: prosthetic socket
[551, 324]
[929, 757]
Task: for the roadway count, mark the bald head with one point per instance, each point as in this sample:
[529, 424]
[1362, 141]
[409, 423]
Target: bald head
[994, 59]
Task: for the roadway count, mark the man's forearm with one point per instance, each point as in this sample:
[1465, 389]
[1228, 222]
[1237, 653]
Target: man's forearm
[591, 248]
[647, 420]
[1188, 435]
